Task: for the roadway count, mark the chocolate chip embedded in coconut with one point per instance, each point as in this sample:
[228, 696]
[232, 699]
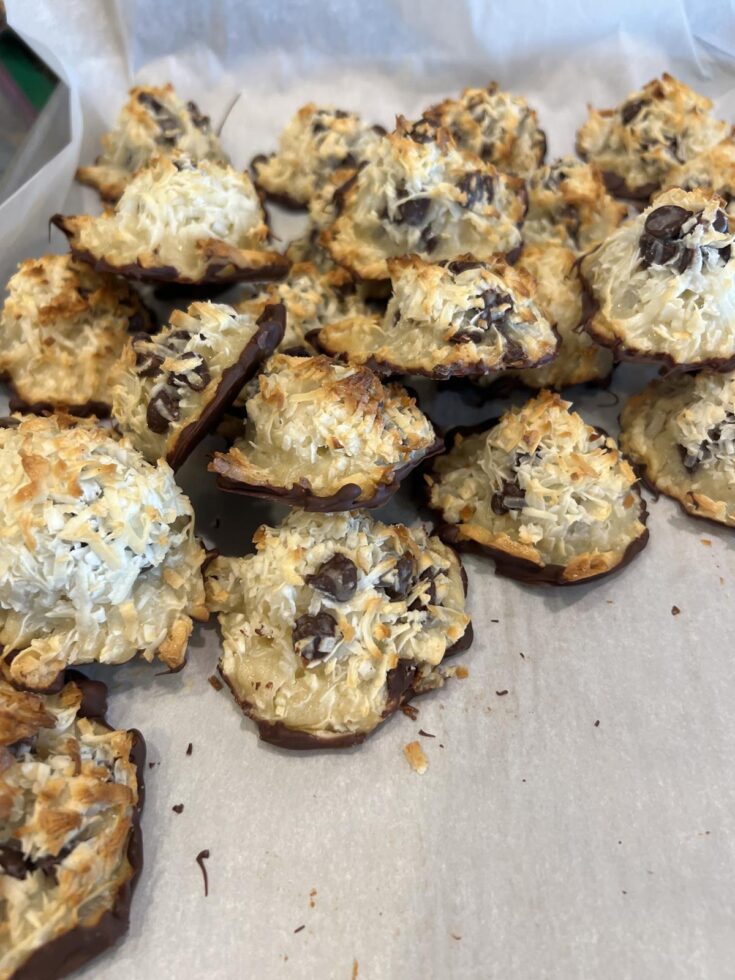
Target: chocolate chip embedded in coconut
[399, 581]
[642, 143]
[171, 388]
[548, 497]
[327, 676]
[464, 318]
[314, 636]
[664, 285]
[457, 204]
[681, 432]
[152, 121]
[337, 578]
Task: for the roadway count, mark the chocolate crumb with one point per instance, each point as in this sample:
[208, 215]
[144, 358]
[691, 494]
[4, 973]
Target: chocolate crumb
[501, 693]
[152, 764]
[494, 620]
[200, 859]
[410, 711]
[189, 748]
[523, 656]
[178, 808]
[299, 928]
[454, 935]
[215, 682]
[675, 610]
[597, 723]
[441, 745]
[216, 522]
[426, 734]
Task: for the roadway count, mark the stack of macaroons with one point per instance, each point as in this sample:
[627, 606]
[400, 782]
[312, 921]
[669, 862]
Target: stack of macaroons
[446, 249]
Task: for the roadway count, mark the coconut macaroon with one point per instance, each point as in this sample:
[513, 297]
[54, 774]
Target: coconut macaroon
[324, 436]
[335, 622]
[419, 193]
[638, 144]
[560, 294]
[311, 298]
[444, 320]
[713, 169]
[500, 128]
[153, 121]
[99, 559]
[171, 389]
[664, 284]
[569, 204]
[71, 791]
[62, 328]
[315, 143]
[549, 498]
[681, 432]
[179, 221]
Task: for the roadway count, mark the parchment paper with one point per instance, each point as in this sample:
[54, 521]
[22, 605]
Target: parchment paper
[539, 844]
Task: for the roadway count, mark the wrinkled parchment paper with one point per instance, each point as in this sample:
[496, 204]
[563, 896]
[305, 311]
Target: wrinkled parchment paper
[539, 843]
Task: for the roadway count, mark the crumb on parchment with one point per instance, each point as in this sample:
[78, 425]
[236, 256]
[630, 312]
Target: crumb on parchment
[416, 758]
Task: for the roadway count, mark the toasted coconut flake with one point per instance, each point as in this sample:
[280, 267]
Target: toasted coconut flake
[542, 492]
[70, 847]
[640, 142]
[90, 533]
[416, 757]
[62, 328]
[169, 390]
[318, 141]
[461, 318]
[179, 221]
[664, 284]
[713, 169]
[154, 121]
[335, 622]
[681, 432]
[419, 193]
[497, 126]
[324, 436]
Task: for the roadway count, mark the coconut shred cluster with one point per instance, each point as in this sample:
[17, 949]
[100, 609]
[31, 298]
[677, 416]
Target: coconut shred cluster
[70, 791]
[682, 433]
[99, 557]
[419, 193]
[548, 496]
[154, 121]
[62, 329]
[318, 141]
[664, 283]
[169, 385]
[638, 144]
[325, 436]
[458, 318]
[334, 622]
[182, 221]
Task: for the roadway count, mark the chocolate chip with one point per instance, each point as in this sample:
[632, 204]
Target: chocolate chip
[147, 363]
[423, 131]
[486, 151]
[509, 497]
[135, 323]
[9, 423]
[720, 223]
[336, 577]
[412, 212]
[428, 240]
[399, 581]
[631, 109]
[428, 593]
[12, 862]
[163, 409]
[179, 335]
[313, 636]
[654, 252]
[196, 377]
[460, 265]
[477, 187]
[666, 221]
[198, 119]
